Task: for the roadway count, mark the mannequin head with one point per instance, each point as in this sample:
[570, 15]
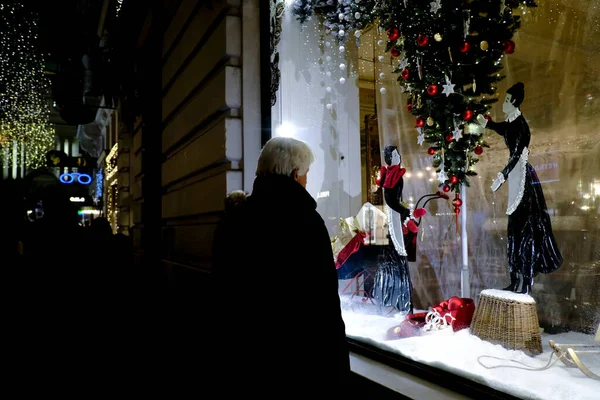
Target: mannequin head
[391, 156]
[514, 97]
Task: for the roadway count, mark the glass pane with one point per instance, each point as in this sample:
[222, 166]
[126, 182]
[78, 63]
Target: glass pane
[347, 105]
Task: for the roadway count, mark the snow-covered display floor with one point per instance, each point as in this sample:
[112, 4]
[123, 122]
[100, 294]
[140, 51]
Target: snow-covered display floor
[459, 353]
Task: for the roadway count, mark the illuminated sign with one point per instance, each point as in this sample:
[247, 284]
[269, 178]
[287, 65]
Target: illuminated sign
[77, 199]
[69, 178]
[88, 212]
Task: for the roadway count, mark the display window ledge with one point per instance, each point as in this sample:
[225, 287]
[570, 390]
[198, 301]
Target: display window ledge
[414, 379]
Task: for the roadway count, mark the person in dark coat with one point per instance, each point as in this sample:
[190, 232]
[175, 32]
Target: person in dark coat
[278, 320]
[531, 246]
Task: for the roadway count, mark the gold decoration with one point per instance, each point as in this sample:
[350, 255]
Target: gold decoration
[450, 54]
[437, 37]
[474, 85]
[430, 121]
[483, 45]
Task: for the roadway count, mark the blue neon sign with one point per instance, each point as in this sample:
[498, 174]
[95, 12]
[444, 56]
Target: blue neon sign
[69, 178]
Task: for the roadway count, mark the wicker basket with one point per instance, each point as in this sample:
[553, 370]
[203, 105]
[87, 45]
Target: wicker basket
[508, 319]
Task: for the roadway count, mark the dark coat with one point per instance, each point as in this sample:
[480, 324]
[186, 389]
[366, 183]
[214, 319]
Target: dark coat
[279, 324]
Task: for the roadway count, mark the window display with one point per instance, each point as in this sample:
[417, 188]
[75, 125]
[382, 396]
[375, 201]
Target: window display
[400, 100]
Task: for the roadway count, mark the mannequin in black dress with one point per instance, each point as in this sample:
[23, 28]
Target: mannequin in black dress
[531, 245]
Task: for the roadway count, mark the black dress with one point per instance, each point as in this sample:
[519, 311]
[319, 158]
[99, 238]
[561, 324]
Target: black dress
[531, 245]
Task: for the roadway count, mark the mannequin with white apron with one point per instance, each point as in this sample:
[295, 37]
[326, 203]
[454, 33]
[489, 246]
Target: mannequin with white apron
[531, 246]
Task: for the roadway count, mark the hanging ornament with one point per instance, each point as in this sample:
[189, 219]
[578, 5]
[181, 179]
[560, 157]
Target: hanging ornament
[431, 151]
[437, 37]
[381, 58]
[380, 43]
[449, 137]
[435, 6]
[421, 137]
[382, 90]
[403, 62]
[478, 150]
[393, 33]
[450, 55]
[467, 115]
[465, 47]
[342, 66]
[457, 202]
[508, 46]
[430, 121]
[422, 40]
[357, 34]
[420, 66]
[394, 52]
[467, 25]
[342, 49]
[456, 133]
[446, 188]
[341, 33]
[432, 90]
[419, 122]
[357, 15]
[419, 101]
[474, 85]
[483, 45]
[441, 176]
[454, 179]
[448, 87]
[487, 117]
[328, 89]
[342, 80]
[409, 107]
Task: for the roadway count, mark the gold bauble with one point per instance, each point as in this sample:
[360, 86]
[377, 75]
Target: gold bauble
[430, 121]
[483, 45]
[437, 37]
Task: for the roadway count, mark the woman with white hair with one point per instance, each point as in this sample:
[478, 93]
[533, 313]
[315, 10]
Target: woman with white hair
[277, 285]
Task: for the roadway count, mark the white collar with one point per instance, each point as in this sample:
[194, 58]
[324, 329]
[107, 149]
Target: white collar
[513, 115]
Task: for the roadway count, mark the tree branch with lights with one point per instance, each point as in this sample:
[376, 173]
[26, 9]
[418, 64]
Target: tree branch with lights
[26, 133]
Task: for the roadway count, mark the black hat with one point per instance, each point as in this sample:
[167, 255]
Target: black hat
[517, 91]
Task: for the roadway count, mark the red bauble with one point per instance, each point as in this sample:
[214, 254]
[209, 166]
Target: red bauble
[487, 117]
[395, 52]
[409, 107]
[431, 151]
[454, 179]
[449, 138]
[405, 74]
[422, 40]
[446, 188]
[478, 150]
[468, 115]
[508, 46]
[432, 90]
[465, 47]
[419, 122]
[393, 33]
[457, 202]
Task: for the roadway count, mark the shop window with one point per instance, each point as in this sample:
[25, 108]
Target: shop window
[347, 104]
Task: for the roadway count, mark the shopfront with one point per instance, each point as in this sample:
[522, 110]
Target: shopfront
[350, 86]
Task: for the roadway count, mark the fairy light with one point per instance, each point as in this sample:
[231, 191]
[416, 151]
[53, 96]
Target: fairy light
[24, 105]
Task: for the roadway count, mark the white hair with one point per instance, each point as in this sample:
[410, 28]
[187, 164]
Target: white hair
[282, 155]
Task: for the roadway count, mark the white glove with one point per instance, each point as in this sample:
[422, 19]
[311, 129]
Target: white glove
[481, 120]
[498, 182]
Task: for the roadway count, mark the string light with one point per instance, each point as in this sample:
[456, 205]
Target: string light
[24, 97]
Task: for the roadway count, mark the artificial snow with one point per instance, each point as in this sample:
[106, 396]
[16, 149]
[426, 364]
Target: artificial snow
[459, 355]
[507, 295]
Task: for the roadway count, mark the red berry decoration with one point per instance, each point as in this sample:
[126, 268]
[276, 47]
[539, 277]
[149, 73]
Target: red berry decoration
[395, 52]
[431, 151]
[422, 40]
[393, 33]
[446, 188]
[468, 115]
[419, 122]
[465, 47]
[478, 150]
[449, 138]
[508, 46]
[409, 107]
[454, 179]
[405, 74]
[432, 90]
